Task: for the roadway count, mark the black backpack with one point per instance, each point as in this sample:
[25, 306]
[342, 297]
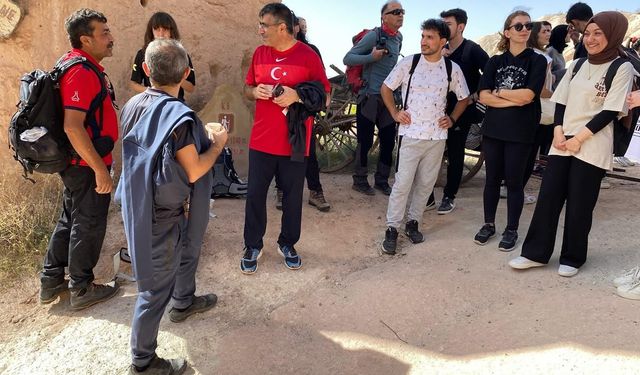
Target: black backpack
[40, 106]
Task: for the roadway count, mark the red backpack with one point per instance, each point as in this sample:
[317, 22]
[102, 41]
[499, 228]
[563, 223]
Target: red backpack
[354, 72]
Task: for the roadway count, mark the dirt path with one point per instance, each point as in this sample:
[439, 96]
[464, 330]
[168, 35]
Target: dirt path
[444, 306]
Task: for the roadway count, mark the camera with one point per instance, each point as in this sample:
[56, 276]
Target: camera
[382, 44]
[277, 90]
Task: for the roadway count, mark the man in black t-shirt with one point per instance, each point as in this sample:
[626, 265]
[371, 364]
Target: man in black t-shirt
[578, 16]
[471, 58]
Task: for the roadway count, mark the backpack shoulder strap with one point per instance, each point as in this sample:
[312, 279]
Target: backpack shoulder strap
[414, 63]
[611, 72]
[449, 66]
[577, 66]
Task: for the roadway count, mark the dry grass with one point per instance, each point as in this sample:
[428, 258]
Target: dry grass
[28, 216]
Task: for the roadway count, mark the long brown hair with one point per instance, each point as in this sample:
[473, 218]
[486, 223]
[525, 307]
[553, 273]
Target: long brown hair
[164, 20]
[503, 44]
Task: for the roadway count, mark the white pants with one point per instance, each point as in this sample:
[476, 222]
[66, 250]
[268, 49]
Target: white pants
[418, 166]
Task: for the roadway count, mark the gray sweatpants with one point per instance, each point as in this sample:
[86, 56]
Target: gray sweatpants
[418, 166]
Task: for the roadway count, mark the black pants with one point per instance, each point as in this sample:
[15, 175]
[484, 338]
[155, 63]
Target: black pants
[313, 169]
[387, 139]
[456, 139]
[290, 175]
[544, 138]
[570, 180]
[504, 161]
[77, 239]
[621, 138]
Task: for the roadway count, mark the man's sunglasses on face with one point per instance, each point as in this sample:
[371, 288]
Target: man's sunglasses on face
[396, 12]
[518, 26]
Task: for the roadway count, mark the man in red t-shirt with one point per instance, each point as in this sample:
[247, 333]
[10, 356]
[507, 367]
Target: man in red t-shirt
[77, 239]
[281, 62]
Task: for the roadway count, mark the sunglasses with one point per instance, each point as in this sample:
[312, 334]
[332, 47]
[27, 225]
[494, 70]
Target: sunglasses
[396, 12]
[518, 26]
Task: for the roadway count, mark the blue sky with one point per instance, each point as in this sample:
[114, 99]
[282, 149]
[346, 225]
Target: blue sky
[332, 23]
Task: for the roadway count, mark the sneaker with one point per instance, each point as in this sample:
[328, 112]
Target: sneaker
[279, 194]
[48, 295]
[316, 199]
[161, 366]
[629, 291]
[503, 191]
[249, 261]
[383, 187]
[484, 234]
[509, 239]
[629, 277]
[363, 188]
[522, 263]
[628, 161]
[530, 199]
[92, 294]
[431, 203]
[390, 241]
[291, 258]
[199, 304]
[447, 205]
[411, 230]
[567, 271]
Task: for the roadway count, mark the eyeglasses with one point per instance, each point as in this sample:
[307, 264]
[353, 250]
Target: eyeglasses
[262, 25]
[518, 26]
[396, 12]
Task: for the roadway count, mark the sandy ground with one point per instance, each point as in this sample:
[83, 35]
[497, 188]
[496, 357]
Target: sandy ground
[446, 306]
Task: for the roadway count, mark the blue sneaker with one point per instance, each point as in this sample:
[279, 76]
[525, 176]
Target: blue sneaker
[249, 261]
[291, 258]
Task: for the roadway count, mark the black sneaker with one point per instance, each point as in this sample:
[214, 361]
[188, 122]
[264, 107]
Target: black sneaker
[390, 241]
[48, 295]
[363, 188]
[411, 230]
[509, 239]
[92, 294]
[291, 258]
[431, 203]
[484, 234]
[249, 261]
[383, 187]
[199, 304]
[161, 366]
[447, 205]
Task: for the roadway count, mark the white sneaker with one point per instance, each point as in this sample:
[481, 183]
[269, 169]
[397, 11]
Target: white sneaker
[629, 277]
[522, 263]
[503, 191]
[567, 271]
[629, 291]
[618, 160]
[628, 162]
[530, 199]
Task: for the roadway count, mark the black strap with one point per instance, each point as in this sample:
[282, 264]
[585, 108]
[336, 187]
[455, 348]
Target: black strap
[414, 63]
[577, 66]
[611, 72]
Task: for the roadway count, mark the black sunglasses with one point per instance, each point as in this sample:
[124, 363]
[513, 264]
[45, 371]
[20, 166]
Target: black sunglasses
[396, 12]
[518, 26]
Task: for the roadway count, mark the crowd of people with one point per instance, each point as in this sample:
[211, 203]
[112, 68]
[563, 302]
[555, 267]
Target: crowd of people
[533, 104]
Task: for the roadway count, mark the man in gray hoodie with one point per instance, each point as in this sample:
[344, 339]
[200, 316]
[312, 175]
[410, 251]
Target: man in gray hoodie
[378, 52]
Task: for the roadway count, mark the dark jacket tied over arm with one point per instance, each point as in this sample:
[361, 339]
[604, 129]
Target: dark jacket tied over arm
[313, 99]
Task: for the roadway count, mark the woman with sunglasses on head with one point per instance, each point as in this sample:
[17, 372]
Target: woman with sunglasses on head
[510, 88]
[160, 25]
[582, 147]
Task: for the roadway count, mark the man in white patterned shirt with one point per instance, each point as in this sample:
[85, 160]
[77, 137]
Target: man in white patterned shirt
[423, 127]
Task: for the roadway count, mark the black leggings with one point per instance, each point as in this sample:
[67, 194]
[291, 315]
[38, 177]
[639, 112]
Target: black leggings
[504, 161]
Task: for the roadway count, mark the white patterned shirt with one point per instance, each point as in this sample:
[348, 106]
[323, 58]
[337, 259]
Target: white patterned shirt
[428, 95]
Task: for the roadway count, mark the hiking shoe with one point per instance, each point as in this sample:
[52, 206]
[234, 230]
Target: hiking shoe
[509, 239]
[567, 271]
[249, 261]
[291, 258]
[48, 295]
[383, 187]
[431, 203]
[316, 199]
[630, 277]
[364, 188]
[447, 205]
[484, 234]
[161, 366]
[411, 230]
[390, 241]
[199, 304]
[629, 291]
[522, 263]
[92, 294]
[279, 194]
